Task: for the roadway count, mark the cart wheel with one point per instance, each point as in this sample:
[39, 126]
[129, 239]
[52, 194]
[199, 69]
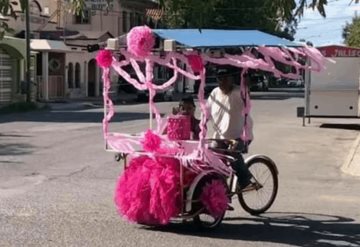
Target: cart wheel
[259, 199]
[117, 157]
[205, 220]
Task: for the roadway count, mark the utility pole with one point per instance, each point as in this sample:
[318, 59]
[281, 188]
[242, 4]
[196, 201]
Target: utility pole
[27, 60]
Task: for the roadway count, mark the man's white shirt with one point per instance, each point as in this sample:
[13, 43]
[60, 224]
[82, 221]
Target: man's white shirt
[226, 114]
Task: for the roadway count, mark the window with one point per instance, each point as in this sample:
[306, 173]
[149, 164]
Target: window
[83, 18]
[70, 76]
[77, 75]
[132, 20]
[34, 8]
[124, 22]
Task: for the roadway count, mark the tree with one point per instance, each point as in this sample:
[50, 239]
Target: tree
[351, 32]
[198, 13]
[7, 10]
[246, 14]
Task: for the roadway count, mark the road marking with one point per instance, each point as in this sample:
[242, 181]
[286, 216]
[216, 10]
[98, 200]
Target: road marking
[348, 199]
[352, 165]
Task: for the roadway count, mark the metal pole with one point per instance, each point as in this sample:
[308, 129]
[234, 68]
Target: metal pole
[27, 60]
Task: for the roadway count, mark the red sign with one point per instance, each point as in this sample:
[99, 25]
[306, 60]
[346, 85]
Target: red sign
[339, 51]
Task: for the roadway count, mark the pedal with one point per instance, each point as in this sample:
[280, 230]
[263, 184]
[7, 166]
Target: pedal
[230, 208]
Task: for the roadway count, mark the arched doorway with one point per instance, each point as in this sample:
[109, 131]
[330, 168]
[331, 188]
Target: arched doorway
[91, 77]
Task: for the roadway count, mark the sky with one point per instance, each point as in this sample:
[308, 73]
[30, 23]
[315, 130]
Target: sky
[320, 31]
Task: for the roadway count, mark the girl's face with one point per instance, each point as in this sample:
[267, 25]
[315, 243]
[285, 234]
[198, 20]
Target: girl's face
[186, 108]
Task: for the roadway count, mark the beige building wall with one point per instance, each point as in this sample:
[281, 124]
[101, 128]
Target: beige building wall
[82, 76]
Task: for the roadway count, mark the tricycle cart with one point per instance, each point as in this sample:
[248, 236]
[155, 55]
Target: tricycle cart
[167, 177]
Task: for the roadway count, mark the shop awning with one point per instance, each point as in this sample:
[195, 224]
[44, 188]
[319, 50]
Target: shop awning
[49, 45]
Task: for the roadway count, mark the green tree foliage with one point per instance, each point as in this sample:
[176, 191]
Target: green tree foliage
[351, 32]
[266, 15]
[269, 15]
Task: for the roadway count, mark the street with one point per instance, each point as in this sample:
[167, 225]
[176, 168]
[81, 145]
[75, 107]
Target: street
[57, 181]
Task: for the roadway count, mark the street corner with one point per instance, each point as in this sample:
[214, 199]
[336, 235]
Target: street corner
[351, 165]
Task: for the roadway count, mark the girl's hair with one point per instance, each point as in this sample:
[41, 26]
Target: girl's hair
[188, 99]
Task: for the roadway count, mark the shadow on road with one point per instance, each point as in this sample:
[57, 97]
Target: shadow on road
[341, 126]
[71, 117]
[298, 229]
[8, 145]
[15, 149]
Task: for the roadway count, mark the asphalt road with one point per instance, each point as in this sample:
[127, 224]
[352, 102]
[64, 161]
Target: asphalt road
[57, 182]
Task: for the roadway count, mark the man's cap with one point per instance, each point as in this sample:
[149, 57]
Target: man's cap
[227, 70]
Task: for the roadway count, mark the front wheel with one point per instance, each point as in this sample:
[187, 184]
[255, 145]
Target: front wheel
[262, 196]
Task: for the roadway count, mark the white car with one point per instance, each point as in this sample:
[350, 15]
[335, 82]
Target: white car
[295, 83]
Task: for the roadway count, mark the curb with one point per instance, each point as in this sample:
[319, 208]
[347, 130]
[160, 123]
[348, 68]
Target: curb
[351, 165]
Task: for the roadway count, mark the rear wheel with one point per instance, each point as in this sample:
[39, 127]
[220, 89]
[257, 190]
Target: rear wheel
[204, 219]
[260, 198]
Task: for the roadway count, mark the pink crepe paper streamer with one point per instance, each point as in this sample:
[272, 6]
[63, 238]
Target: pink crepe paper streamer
[247, 106]
[204, 112]
[315, 56]
[190, 158]
[107, 101]
[137, 69]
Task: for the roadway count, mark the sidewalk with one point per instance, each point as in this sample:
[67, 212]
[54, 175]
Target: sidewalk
[351, 165]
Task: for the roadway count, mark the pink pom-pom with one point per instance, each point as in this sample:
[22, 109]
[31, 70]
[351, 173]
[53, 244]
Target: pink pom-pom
[148, 192]
[214, 198]
[151, 141]
[140, 41]
[104, 58]
[196, 63]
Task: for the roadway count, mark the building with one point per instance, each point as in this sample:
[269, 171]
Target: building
[64, 68]
[12, 70]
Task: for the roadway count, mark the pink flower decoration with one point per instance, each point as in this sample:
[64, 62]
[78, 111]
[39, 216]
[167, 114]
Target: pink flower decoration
[214, 198]
[140, 41]
[148, 191]
[196, 63]
[104, 58]
[151, 141]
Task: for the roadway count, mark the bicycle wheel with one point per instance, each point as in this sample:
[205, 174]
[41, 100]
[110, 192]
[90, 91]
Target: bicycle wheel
[205, 220]
[260, 198]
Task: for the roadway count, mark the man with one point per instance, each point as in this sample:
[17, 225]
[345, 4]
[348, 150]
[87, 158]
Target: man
[225, 105]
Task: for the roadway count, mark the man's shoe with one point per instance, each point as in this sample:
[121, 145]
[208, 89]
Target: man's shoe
[249, 187]
[230, 208]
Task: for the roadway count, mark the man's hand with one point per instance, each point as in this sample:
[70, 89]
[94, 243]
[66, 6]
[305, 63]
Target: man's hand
[175, 110]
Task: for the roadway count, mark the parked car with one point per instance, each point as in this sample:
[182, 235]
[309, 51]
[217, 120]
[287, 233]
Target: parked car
[295, 83]
[258, 83]
[211, 82]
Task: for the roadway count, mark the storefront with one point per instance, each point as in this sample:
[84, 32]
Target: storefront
[335, 92]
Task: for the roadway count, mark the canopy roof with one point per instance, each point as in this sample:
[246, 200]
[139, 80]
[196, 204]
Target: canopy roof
[214, 38]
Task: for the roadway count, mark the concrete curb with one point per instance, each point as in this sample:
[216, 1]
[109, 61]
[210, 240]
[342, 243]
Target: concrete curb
[351, 165]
